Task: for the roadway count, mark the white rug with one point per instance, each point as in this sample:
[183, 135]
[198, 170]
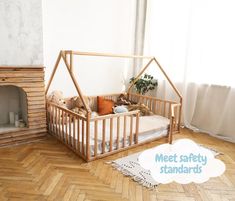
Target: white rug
[129, 166]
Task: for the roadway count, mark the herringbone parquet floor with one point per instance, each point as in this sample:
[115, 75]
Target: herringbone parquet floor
[47, 170]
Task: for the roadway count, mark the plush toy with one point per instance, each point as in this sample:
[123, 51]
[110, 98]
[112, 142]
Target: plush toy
[94, 114]
[57, 98]
[70, 103]
[83, 112]
[120, 109]
[123, 100]
[144, 110]
[76, 105]
[80, 111]
[78, 101]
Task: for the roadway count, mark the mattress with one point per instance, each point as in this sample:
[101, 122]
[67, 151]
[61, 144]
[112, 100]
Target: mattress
[150, 127]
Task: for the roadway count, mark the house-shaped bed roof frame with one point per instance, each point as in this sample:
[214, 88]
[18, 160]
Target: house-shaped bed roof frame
[68, 56]
[83, 148]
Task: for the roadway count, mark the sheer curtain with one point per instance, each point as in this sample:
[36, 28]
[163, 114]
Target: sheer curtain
[194, 40]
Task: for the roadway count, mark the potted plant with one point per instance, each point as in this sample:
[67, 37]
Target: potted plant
[144, 84]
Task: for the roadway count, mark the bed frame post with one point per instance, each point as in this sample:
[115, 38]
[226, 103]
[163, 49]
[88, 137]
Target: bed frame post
[75, 82]
[174, 88]
[71, 60]
[88, 136]
[180, 111]
[53, 72]
[137, 128]
[170, 134]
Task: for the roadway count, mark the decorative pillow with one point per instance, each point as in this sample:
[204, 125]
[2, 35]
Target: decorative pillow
[104, 106]
[120, 109]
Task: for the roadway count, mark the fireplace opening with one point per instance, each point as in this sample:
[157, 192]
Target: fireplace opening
[13, 108]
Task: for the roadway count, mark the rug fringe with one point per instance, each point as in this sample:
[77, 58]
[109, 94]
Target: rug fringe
[134, 177]
[143, 181]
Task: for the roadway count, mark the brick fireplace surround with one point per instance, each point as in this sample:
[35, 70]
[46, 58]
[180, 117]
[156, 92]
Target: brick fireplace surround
[31, 81]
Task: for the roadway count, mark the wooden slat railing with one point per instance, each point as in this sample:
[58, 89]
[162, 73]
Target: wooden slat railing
[68, 127]
[74, 131]
[118, 137]
[159, 107]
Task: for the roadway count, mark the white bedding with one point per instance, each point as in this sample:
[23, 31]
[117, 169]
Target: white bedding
[149, 127]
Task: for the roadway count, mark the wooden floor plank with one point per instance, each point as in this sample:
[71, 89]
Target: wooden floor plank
[47, 170]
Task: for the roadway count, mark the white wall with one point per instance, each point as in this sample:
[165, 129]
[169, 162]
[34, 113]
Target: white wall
[102, 26]
[21, 32]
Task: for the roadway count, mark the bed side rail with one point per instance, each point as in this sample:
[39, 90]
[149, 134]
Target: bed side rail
[68, 127]
[114, 132]
[94, 137]
[160, 107]
[174, 121]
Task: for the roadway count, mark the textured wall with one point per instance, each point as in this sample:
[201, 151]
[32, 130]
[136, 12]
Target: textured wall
[21, 40]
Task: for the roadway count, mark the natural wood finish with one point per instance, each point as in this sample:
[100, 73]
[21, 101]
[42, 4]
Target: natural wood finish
[118, 132]
[66, 129]
[115, 115]
[131, 130]
[107, 55]
[47, 170]
[59, 124]
[83, 136]
[96, 142]
[88, 136]
[111, 135]
[71, 62]
[75, 84]
[160, 107]
[73, 140]
[31, 80]
[70, 131]
[103, 136]
[22, 67]
[62, 120]
[174, 87]
[78, 134]
[137, 128]
[53, 72]
[124, 132]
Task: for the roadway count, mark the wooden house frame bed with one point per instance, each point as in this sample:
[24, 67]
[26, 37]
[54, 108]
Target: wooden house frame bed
[77, 133]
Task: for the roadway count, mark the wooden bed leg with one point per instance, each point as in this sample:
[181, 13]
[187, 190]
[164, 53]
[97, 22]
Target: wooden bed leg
[170, 131]
[137, 128]
[96, 138]
[170, 138]
[103, 135]
[118, 132]
[53, 73]
[88, 136]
